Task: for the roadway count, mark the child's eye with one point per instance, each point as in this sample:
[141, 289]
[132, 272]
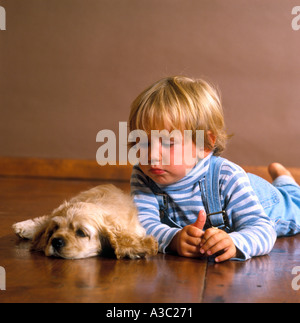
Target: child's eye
[144, 144]
[168, 143]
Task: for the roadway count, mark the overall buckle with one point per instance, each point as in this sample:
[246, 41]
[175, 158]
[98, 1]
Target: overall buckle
[219, 222]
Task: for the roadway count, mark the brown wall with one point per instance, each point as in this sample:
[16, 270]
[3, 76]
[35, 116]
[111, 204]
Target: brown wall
[70, 68]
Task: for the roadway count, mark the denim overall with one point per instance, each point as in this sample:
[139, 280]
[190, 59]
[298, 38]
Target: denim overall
[280, 200]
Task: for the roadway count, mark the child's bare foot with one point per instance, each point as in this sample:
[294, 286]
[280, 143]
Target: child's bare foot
[276, 170]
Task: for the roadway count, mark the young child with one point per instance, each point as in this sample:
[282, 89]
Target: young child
[172, 199]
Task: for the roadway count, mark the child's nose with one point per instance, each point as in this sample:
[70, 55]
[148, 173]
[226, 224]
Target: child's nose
[155, 153]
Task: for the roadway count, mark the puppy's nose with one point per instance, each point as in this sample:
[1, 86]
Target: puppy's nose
[58, 243]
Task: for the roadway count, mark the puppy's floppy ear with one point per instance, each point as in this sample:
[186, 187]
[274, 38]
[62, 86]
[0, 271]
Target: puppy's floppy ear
[131, 245]
[106, 248]
[41, 238]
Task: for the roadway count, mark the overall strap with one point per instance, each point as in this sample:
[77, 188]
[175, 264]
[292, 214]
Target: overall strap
[210, 192]
[212, 184]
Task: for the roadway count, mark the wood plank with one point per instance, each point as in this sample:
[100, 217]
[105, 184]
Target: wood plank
[87, 169]
[62, 168]
[32, 277]
[258, 280]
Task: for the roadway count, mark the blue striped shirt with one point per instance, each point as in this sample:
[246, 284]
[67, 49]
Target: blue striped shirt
[253, 231]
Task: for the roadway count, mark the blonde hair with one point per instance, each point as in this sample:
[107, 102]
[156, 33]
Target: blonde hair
[181, 103]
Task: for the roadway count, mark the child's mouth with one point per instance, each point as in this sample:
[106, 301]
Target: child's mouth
[157, 171]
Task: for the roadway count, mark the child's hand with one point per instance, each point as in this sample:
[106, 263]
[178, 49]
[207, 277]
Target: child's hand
[187, 241]
[215, 240]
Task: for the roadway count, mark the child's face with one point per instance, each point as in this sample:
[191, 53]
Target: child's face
[166, 170]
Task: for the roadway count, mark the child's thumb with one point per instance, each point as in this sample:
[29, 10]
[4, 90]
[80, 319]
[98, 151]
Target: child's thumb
[201, 220]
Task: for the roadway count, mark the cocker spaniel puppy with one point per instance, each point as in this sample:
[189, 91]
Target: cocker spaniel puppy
[100, 220]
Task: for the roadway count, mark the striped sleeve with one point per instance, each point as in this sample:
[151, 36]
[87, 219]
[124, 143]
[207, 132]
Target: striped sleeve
[253, 231]
[148, 210]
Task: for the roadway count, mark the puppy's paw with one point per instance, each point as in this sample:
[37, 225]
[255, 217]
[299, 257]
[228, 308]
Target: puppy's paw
[150, 246]
[25, 229]
[137, 248]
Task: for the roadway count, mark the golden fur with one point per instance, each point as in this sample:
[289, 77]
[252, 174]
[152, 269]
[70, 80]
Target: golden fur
[96, 221]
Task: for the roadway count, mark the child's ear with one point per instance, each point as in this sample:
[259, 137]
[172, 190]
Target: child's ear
[212, 138]
[209, 147]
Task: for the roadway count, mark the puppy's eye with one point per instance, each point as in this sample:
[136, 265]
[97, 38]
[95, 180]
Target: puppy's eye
[80, 233]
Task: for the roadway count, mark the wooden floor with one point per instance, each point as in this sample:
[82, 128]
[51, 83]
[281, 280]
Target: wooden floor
[32, 277]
